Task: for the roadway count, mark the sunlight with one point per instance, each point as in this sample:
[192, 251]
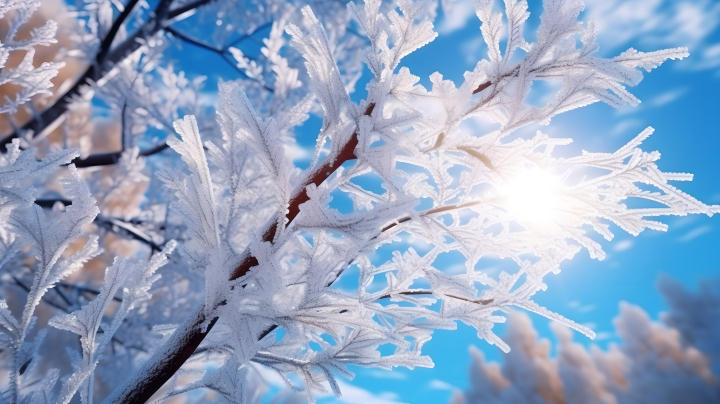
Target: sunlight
[531, 196]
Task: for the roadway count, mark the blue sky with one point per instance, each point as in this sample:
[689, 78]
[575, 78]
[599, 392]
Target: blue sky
[680, 100]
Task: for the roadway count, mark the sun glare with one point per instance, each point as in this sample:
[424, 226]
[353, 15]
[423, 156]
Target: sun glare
[532, 197]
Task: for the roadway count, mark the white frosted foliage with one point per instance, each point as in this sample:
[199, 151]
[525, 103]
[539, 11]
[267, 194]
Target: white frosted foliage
[32, 80]
[283, 276]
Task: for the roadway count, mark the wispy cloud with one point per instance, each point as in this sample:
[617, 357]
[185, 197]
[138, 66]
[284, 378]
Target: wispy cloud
[711, 57]
[626, 126]
[695, 233]
[581, 308]
[387, 374]
[436, 384]
[660, 23]
[297, 152]
[623, 245]
[457, 14]
[356, 395]
[668, 97]
[471, 49]
[683, 221]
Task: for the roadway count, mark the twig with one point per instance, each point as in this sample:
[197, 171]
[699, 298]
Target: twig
[108, 223]
[222, 52]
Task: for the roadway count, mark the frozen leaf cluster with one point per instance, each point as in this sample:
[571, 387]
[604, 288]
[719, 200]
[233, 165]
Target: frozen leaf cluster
[32, 80]
[49, 237]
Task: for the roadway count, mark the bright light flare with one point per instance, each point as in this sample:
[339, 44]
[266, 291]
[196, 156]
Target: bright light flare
[533, 198]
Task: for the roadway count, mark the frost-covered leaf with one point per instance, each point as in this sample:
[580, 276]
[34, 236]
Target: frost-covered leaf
[195, 193]
[325, 76]
[50, 238]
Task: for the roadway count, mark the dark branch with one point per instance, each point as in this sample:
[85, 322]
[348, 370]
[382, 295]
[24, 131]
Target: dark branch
[482, 87]
[248, 35]
[106, 159]
[320, 174]
[112, 224]
[22, 286]
[188, 7]
[223, 53]
[110, 37]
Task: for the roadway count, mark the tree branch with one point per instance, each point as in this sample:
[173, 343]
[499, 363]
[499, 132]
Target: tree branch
[223, 53]
[106, 159]
[106, 223]
[110, 37]
[182, 344]
[44, 299]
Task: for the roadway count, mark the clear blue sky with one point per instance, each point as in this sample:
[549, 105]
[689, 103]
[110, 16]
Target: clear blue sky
[680, 100]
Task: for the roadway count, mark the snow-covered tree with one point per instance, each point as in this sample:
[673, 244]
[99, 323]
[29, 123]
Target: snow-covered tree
[231, 256]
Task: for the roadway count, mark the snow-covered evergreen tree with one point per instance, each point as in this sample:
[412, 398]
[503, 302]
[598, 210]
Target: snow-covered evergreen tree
[232, 257]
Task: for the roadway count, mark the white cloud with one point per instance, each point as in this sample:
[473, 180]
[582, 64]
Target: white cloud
[695, 233]
[436, 384]
[356, 395]
[683, 221]
[668, 97]
[660, 23]
[457, 14]
[695, 315]
[626, 126]
[471, 49]
[623, 245]
[297, 152]
[581, 308]
[387, 374]
[711, 57]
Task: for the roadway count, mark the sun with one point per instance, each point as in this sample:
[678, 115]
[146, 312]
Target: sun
[532, 197]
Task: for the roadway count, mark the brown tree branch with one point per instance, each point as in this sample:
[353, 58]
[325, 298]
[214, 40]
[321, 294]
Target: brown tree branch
[347, 152]
[182, 344]
[482, 87]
